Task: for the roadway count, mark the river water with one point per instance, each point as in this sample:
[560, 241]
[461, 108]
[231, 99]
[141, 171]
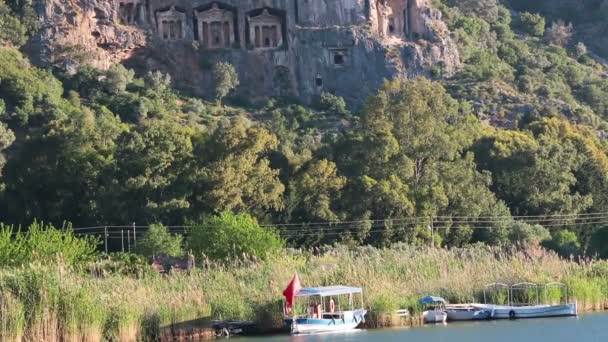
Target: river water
[587, 328]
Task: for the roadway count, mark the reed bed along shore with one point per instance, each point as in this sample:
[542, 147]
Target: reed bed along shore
[52, 303]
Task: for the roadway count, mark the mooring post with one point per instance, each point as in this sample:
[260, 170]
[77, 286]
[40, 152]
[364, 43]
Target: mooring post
[122, 239]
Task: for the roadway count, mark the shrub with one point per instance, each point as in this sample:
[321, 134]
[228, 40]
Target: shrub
[118, 78]
[333, 103]
[559, 33]
[580, 50]
[229, 236]
[524, 234]
[45, 243]
[533, 24]
[158, 240]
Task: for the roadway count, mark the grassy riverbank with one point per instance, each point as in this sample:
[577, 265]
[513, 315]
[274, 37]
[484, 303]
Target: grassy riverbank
[57, 304]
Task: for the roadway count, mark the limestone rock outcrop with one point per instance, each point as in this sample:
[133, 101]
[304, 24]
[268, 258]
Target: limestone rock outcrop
[296, 48]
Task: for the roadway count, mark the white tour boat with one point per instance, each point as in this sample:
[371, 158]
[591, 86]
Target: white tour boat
[324, 309]
[528, 310]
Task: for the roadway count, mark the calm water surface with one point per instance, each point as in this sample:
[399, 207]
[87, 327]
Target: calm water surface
[588, 328]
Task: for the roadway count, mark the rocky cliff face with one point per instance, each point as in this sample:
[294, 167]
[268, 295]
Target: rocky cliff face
[280, 47]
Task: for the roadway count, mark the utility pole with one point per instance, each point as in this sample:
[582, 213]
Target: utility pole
[432, 233]
[134, 236]
[105, 235]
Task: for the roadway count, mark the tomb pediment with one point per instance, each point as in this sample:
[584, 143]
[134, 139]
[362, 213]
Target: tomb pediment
[265, 29]
[216, 27]
[171, 24]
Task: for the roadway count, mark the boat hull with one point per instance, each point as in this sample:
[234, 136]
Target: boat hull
[534, 311]
[468, 314]
[351, 321]
[434, 316]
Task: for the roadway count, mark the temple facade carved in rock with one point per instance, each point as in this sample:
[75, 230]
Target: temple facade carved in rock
[299, 48]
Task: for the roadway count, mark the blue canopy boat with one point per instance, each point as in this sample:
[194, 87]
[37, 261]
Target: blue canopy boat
[325, 309]
[435, 309]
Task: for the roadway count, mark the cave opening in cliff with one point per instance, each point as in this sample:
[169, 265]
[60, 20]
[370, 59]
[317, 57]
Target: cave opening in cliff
[391, 25]
[319, 81]
[339, 56]
[395, 18]
[338, 59]
[266, 28]
[216, 26]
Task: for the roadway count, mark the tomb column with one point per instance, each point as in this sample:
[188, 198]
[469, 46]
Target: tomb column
[208, 34]
[142, 14]
[221, 33]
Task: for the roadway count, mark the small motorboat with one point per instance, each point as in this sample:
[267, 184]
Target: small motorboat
[323, 309]
[434, 309]
[467, 313]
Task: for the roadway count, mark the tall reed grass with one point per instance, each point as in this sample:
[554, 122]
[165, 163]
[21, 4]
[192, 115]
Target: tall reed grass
[55, 303]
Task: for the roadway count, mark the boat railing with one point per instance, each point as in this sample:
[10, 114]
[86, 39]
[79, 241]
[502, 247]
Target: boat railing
[496, 287]
[556, 284]
[523, 287]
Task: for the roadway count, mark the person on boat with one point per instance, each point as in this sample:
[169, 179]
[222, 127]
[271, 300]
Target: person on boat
[332, 305]
[318, 311]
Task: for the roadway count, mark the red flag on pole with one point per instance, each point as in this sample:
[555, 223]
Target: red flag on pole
[292, 290]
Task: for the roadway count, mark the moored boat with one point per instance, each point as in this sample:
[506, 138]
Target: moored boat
[434, 309]
[323, 309]
[530, 311]
[467, 313]
[515, 309]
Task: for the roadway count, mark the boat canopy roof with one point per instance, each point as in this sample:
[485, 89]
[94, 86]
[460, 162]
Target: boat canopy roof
[328, 291]
[431, 299]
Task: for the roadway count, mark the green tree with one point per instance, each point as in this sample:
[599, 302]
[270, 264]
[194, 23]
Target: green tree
[152, 164]
[488, 10]
[232, 170]
[229, 237]
[118, 78]
[158, 240]
[564, 242]
[533, 23]
[7, 137]
[226, 79]
[406, 158]
[533, 176]
[12, 31]
[316, 190]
